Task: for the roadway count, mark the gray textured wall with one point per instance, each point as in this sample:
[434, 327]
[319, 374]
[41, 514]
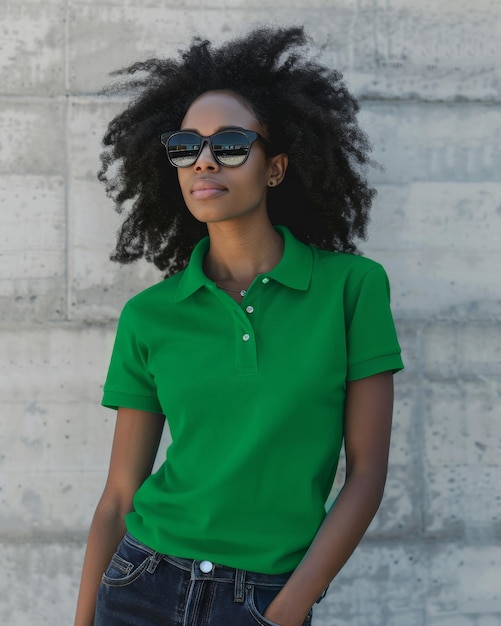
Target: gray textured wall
[428, 75]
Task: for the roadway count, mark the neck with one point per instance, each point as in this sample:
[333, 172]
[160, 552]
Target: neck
[237, 255]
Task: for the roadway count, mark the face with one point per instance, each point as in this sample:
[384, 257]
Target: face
[213, 192]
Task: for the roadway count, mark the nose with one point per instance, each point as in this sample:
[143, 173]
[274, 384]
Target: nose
[205, 160]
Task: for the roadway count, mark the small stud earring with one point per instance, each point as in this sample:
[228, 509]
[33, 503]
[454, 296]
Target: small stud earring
[271, 183]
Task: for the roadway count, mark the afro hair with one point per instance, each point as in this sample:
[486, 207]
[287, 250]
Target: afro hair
[309, 114]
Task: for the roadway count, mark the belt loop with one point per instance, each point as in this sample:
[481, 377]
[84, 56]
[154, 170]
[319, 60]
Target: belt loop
[238, 592]
[155, 559]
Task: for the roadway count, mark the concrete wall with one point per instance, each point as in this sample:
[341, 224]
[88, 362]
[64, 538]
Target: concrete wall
[429, 78]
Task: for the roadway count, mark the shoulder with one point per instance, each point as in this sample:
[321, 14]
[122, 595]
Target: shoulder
[160, 294]
[351, 268]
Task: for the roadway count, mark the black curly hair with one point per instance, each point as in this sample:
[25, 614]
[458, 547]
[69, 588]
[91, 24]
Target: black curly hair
[309, 114]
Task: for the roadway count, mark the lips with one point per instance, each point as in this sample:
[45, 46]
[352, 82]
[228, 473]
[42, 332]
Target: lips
[203, 189]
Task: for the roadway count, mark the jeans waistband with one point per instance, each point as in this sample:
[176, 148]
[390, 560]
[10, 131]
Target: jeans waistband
[218, 573]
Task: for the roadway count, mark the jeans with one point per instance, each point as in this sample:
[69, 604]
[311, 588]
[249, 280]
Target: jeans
[142, 587]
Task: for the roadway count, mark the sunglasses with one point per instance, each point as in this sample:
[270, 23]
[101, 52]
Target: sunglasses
[229, 147]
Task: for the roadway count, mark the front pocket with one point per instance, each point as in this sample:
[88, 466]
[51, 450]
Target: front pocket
[121, 565]
[126, 565]
[115, 577]
[259, 598]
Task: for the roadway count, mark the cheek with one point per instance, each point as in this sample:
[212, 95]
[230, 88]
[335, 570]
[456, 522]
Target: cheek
[183, 183]
[255, 177]
[260, 181]
[180, 173]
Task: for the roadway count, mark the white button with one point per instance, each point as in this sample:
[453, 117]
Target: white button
[246, 337]
[265, 280]
[249, 309]
[206, 567]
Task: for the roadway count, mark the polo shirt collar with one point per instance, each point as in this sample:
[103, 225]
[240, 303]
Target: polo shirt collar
[294, 269]
[296, 265]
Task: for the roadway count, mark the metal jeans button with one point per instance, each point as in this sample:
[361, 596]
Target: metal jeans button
[206, 567]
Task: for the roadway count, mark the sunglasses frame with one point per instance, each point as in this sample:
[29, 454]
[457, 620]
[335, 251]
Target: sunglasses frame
[250, 135]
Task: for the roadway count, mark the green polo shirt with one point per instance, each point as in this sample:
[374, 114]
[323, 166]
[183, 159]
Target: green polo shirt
[254, 396]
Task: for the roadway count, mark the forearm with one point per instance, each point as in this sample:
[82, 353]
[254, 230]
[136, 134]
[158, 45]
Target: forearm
[135, 444]
[334, 542]
[106, 532]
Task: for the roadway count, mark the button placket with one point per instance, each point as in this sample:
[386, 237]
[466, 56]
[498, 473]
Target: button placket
[245, 318]
[246, 356]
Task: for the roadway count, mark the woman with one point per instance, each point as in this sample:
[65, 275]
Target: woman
[269, 348]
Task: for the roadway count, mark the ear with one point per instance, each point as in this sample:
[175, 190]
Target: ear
[277, 169]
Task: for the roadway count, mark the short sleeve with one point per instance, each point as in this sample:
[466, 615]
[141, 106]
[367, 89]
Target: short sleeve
[372, 343]
[129, 383]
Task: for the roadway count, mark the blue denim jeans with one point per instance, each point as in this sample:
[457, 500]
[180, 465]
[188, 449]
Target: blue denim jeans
[144, 588]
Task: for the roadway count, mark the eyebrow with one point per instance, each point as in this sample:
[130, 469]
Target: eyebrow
[218, 130]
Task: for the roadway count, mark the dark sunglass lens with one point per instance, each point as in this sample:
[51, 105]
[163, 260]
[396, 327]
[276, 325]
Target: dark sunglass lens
[230, 148]
[183, 149]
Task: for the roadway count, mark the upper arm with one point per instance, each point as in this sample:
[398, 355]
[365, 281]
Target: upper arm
[367, 426]
[135, 445]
